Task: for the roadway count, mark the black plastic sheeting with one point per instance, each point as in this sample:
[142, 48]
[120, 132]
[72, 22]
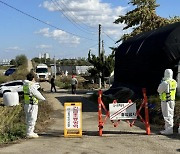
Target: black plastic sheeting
[140, 61]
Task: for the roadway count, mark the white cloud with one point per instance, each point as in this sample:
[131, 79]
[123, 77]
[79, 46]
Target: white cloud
[44, 32]
[15, 48]
[91, 12]
[60, 36]
[43, 46]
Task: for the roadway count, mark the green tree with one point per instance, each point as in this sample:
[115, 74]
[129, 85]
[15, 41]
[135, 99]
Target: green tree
[82, 62]
[48, 61]
[73, 62]
[109, 65]
[13, 62]
[36, 60]
[102, 64]
[143, 18]
[21, 60]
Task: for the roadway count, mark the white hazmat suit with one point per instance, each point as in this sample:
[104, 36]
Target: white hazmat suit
[31, 110]
[167, 106]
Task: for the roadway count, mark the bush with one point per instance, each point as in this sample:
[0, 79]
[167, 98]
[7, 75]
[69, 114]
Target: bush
[20, 74]
[13, 133]
[63, 82]
[11, 123]
[63, 85]
[43, 116]
[21, 60]
[5, 79]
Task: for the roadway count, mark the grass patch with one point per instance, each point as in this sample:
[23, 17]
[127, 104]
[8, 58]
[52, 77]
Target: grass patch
[5, 78]
[20, 74]
[13, 133]
[44, 111]
[12, 124]
[16, 128]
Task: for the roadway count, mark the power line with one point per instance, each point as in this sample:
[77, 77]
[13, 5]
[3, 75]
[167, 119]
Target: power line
[93, 46]
[108, 45]
[71, 20]
[109, 36]
[43, 21]
[62, 2]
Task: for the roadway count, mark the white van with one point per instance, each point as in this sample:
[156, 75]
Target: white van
[42, 73]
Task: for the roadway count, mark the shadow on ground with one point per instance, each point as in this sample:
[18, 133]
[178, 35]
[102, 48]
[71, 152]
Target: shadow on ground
[54, 133]
[87, 106]
[68, 91]
[60, 133]
[109, 133]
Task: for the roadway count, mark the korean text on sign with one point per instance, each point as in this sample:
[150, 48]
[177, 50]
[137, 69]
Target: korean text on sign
[72, 117]
[122, 111]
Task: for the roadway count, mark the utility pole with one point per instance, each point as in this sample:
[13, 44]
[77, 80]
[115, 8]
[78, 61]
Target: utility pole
[103, 60]
[54, 67]
[100, 73]
[99, 40]
[45, 58]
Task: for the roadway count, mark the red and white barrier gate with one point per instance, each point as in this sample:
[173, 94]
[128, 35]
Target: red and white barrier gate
[123, 111]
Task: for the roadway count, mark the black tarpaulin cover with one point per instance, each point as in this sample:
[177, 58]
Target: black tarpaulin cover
[140, 61]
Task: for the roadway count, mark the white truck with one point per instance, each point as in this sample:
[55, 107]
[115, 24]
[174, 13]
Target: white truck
[42, 73]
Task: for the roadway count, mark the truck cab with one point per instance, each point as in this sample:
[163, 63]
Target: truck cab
[42, 73]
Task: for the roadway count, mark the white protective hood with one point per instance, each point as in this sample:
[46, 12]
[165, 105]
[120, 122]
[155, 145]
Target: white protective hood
[168, 74]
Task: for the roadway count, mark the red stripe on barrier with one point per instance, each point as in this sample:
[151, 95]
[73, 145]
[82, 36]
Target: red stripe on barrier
[120, 111]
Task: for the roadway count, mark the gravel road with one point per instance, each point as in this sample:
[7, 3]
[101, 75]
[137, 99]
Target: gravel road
[120, 140]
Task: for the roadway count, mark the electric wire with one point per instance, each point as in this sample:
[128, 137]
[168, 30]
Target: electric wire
[62, 2]
[108, 45]
[103, 31]
[50, 25]
[109, 37]
[107, 42]
[71, 20]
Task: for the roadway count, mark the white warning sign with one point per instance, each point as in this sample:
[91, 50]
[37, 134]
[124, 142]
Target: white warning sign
[122, 111]
[73, 117]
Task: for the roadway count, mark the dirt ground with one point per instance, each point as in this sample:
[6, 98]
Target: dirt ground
[123, 139]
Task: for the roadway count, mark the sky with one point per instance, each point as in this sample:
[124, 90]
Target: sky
[64, 28]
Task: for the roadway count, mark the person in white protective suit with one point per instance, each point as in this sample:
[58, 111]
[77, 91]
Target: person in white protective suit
[31, 97]
[167, 92]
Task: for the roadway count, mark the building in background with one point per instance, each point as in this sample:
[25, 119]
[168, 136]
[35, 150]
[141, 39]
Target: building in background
[5, 62]
[44, 55]
[72, 69]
